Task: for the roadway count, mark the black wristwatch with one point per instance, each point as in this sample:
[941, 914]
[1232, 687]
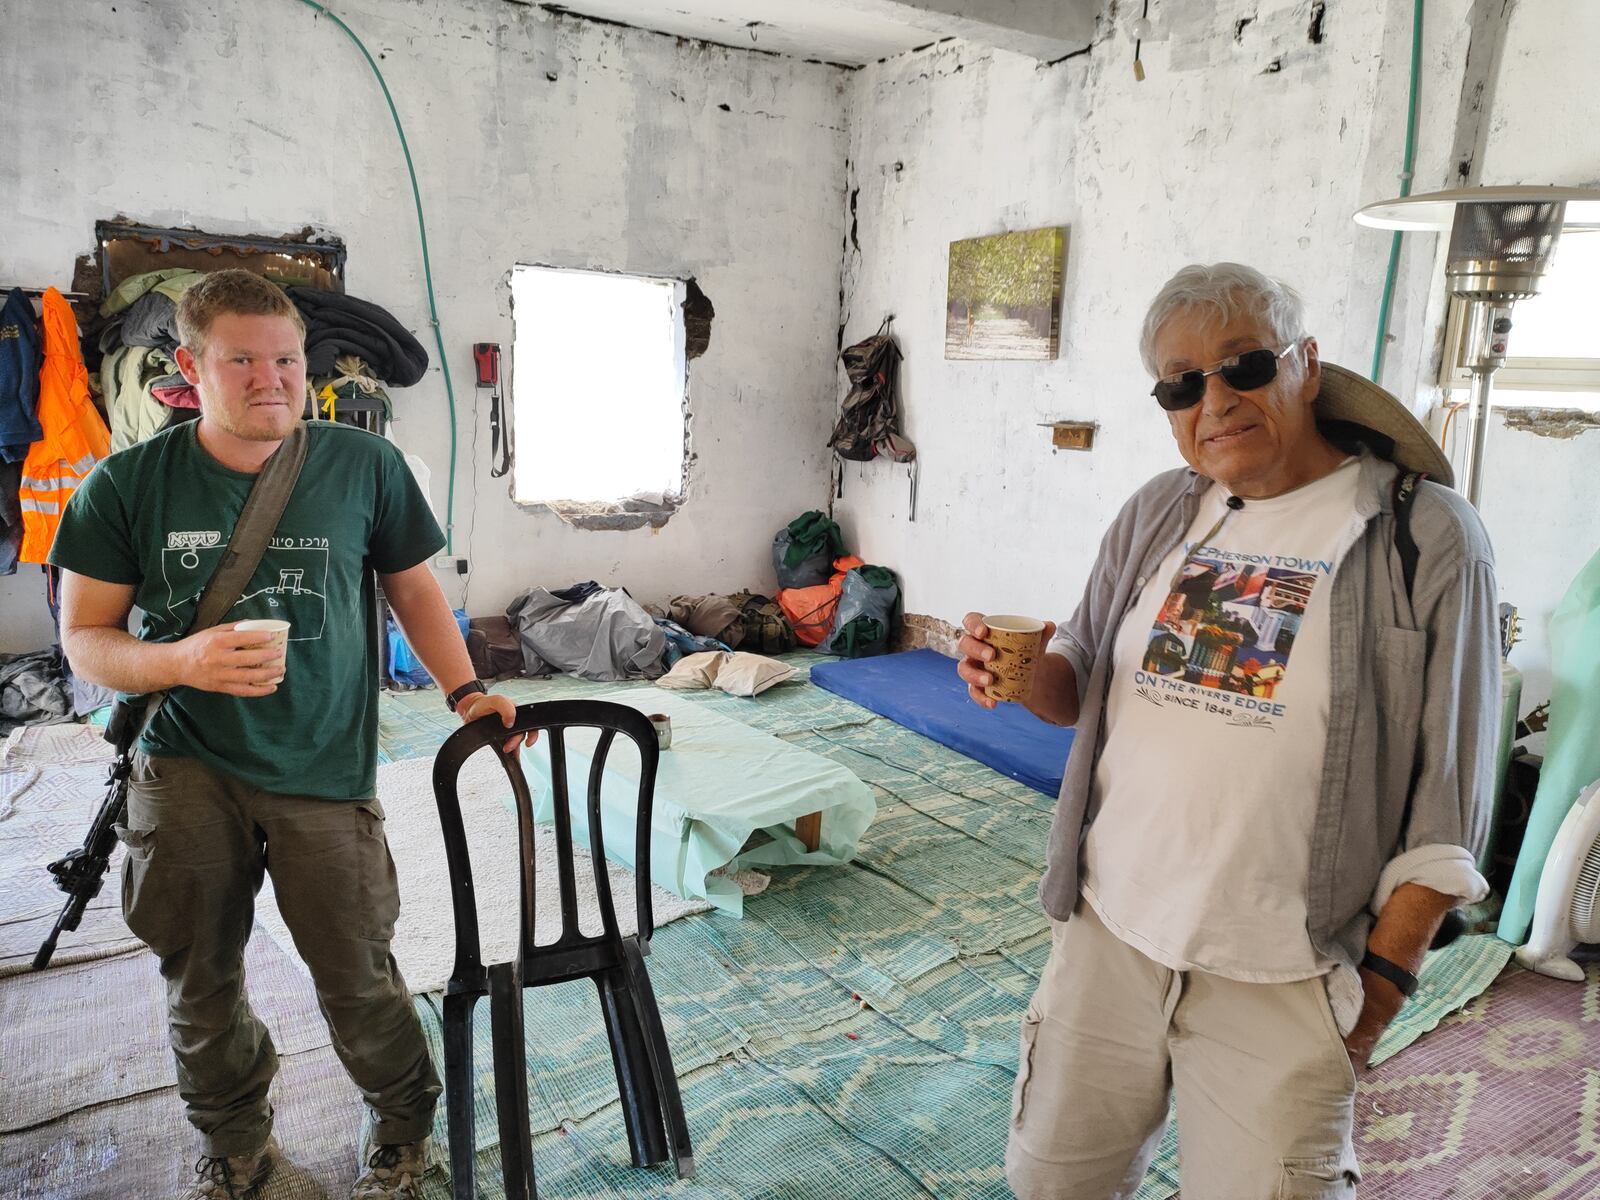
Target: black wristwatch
[1393, 972]
[462, 692]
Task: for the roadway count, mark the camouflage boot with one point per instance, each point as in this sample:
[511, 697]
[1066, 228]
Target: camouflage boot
[393, 1173]
[237, 1178]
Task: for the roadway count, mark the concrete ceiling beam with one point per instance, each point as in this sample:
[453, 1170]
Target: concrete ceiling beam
[1042, 29]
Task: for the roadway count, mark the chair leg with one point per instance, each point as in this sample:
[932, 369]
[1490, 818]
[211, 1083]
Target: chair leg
[660, 1058]
[458, 1094]
[641, 1107]
[511, 1081]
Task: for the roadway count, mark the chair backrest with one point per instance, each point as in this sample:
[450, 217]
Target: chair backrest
[552, 720]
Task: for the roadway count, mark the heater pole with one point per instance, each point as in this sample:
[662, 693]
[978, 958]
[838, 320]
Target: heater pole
[1491, 328]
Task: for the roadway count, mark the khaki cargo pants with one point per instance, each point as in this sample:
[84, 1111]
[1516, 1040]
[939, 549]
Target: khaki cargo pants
[198, 843]
[1264, 1088]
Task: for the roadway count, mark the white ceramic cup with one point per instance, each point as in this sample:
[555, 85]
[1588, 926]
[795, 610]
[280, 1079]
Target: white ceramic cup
[278, 629]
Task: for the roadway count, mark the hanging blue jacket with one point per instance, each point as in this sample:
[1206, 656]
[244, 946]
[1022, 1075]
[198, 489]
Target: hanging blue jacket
[19, 377]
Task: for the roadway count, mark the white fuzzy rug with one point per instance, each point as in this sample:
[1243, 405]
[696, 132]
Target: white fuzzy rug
[424, 940]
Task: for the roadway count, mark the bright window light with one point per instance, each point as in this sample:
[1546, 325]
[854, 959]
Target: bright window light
[1560, 321]
[597, 385]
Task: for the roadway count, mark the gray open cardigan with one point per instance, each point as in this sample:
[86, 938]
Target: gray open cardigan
[1407, 777]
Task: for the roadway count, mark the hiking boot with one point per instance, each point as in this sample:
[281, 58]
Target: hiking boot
[393, 1173]
[237, 1178]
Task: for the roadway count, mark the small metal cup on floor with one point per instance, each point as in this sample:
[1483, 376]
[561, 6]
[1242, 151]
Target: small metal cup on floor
[663, 725]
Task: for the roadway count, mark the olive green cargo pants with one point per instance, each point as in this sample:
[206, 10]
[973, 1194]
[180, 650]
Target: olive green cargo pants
[198, 844]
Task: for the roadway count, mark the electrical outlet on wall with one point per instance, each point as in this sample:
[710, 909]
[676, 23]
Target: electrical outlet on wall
[446, 562]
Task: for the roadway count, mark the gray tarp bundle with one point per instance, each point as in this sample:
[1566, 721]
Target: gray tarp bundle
[33, 689]
[606, 636]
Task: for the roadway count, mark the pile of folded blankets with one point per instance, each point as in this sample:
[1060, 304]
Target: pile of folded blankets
[354, 351]
[140, 385]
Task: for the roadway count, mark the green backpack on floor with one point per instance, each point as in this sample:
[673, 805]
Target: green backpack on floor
[868, 612]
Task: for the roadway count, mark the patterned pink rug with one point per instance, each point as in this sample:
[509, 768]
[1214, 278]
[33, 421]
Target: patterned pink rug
[1500, 1102]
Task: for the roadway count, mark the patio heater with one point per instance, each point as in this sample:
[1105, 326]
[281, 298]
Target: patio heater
[1502, 241]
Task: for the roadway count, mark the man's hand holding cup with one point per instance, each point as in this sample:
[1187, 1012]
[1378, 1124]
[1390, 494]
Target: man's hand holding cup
[999, 655]
[245, 658]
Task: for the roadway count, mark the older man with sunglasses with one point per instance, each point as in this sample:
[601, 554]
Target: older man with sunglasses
[1285, 750]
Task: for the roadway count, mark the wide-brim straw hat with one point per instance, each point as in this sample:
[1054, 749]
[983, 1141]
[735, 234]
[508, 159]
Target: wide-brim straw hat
[1351, 399]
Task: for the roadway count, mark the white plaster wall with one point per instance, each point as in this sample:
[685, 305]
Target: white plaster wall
[1212, 157]
[1544, 126]
[536, 139]
[24, 618]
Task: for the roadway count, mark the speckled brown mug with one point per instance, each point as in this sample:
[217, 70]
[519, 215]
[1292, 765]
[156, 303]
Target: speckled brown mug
[1016, 653]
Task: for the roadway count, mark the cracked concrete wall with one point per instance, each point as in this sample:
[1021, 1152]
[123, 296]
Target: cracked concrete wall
[536, 139]
[1259, 129]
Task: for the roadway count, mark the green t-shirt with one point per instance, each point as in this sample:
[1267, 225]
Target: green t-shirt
[158, 516]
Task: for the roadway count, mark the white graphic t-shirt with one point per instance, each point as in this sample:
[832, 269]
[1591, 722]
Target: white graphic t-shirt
[1206, 789]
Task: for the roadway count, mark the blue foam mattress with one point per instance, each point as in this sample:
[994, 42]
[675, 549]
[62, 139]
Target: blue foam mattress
[920, 690]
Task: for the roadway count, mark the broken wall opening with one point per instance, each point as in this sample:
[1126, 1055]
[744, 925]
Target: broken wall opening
[600, 368]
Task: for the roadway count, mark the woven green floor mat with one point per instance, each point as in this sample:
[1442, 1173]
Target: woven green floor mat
[859, 1106]
[926, 949]
[412, 724]
[1449, 979]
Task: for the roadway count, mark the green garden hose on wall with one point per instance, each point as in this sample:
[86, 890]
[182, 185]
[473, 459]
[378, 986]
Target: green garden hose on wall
[1405, 190]
[427, 269]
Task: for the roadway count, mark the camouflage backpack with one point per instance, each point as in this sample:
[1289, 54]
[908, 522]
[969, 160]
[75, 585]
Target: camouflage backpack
[869, 419]
[766, 629]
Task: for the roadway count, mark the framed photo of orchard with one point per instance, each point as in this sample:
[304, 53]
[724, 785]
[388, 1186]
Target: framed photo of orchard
[1003, 296]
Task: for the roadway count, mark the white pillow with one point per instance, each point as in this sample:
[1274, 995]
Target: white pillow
[745, 674]
[693, 672]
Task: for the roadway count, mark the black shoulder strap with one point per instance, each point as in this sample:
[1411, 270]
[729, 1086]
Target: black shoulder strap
[263, 509]
[1405, 492]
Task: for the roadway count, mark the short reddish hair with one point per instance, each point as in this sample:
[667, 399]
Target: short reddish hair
[231, 291]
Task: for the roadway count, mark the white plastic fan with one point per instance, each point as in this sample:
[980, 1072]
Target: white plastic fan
[1567, 909]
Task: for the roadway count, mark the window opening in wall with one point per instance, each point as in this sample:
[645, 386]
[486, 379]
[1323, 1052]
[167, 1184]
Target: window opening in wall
[1555, 352]
[597, 385]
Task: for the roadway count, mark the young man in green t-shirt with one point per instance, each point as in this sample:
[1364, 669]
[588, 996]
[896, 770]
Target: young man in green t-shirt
[263, 759]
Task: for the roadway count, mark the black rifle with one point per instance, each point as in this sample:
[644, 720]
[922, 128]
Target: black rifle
[81, 873]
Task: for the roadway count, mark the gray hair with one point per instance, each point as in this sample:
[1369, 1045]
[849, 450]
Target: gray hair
[1227, 290]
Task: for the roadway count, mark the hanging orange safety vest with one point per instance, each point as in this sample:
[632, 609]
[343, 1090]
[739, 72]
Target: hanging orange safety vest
[75, 438]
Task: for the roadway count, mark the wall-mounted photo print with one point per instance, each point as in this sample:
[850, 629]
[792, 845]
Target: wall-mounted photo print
[1003, 295]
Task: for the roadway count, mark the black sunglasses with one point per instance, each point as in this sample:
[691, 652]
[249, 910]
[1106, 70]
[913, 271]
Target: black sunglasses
[1243, 373]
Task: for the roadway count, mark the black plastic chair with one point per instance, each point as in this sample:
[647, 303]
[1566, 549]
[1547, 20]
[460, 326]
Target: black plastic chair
[651, 1104]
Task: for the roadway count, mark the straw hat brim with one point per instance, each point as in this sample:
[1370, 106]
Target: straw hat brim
[1352, 399]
